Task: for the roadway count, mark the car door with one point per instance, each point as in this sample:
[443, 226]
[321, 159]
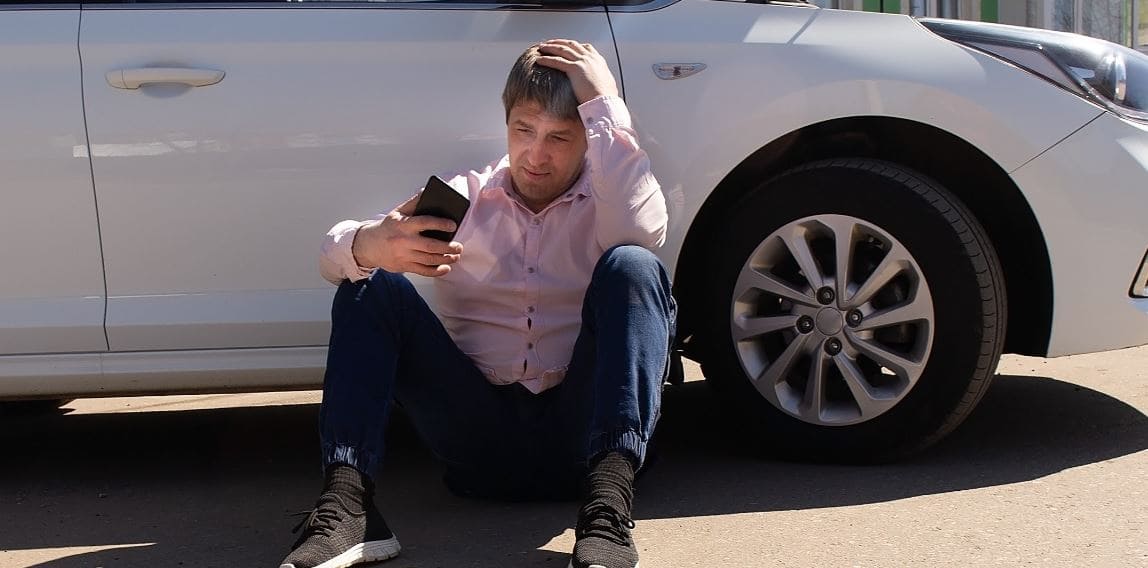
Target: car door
[51, 281]
[267, 122]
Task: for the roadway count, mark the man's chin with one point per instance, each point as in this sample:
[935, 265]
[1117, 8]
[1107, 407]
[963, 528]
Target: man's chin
[531, 190]
[535, 191]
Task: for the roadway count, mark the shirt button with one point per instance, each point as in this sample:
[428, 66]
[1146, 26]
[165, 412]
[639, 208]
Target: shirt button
[530, 309]
[530, 346]
[530, 270]
[536, 222]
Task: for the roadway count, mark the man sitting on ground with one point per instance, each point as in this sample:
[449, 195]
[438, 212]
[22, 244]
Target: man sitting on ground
[545, 371]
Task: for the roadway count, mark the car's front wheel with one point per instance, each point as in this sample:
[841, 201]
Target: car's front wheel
[857, 311]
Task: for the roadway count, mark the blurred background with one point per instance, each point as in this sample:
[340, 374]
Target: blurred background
[1120, 21]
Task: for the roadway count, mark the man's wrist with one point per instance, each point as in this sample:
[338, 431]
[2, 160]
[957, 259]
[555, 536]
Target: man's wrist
[598, 97]
[356, 256]
[609, 107]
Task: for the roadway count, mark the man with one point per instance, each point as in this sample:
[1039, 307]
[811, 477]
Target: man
[544, 373]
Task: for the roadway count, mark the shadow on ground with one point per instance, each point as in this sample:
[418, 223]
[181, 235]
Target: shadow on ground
[214, 487]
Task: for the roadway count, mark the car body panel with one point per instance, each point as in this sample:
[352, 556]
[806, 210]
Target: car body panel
[1090, 197]
[52, 288]
[213, 199]
[160, 372]
[784, 68]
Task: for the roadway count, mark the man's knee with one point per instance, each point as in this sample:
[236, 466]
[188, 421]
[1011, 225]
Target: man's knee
[629, 264]
[374, 292]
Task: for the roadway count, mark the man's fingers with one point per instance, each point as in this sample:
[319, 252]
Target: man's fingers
[574, 46]
[408, 206]
[435, 246]
[556, 62]
[563, 51]
[429, 223]
[423, 255]
[425, 270]
[429, 259]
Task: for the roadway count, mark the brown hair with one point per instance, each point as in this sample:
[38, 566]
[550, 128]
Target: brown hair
[549, 88]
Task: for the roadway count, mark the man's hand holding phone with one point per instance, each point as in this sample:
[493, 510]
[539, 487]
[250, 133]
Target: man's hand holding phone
[394, 243]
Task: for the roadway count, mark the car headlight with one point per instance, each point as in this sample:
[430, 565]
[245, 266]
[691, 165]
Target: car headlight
[1111, 75]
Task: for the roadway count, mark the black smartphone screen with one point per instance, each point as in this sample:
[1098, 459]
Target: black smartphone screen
[441, 200]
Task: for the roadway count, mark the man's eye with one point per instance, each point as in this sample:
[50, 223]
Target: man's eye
[524, 130]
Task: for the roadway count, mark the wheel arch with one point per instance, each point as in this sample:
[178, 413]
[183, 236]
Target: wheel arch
[981, 184]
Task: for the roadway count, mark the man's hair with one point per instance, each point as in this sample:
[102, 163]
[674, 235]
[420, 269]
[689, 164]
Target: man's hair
[530, 82]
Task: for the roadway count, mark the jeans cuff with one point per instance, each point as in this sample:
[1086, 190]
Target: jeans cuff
[625, 440]
[364, 461]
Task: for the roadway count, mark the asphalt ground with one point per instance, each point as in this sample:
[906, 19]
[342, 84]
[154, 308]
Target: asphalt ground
[1050, 470]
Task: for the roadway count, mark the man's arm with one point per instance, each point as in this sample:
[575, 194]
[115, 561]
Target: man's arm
[391, 242]
[632, 209]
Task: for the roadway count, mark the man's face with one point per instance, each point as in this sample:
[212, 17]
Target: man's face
[546, 153]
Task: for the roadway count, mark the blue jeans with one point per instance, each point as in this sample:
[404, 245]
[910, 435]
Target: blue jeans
[499, 440]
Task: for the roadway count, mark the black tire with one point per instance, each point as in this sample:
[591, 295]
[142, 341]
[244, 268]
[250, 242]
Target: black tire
[953, 257]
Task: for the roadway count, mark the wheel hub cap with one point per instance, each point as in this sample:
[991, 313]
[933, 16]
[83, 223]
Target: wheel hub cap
[830, 321]
[788, 320]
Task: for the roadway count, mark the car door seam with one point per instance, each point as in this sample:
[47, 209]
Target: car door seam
[92, 175]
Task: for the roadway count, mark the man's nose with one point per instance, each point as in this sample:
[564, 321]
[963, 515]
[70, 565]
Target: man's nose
[536, 154]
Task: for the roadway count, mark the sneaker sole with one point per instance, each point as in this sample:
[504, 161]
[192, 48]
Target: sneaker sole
[373, 551]
[571, 565]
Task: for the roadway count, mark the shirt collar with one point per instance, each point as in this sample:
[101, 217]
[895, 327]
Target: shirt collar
[500, 182]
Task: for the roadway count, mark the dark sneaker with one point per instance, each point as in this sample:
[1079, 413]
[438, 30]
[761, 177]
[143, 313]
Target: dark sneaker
[603, 538]
[342, 530]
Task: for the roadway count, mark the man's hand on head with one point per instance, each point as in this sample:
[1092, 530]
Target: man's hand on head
[586, 68]
[394, 244]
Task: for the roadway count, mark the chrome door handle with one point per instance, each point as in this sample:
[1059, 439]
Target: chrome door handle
[137, 77]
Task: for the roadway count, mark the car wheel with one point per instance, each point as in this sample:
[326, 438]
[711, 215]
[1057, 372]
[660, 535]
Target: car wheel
[857, 311]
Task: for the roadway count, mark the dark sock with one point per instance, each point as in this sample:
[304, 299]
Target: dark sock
[611, 480]
[346, 480]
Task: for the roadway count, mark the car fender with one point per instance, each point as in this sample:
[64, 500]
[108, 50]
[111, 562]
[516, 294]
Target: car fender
[774, 70]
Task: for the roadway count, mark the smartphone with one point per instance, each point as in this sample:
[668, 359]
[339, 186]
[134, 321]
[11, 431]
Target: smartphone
[441, 200]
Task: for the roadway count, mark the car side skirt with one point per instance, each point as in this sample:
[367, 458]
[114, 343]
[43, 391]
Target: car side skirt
[160, 372]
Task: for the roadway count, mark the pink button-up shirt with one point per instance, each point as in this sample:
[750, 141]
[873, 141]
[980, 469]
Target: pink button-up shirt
[513, 301]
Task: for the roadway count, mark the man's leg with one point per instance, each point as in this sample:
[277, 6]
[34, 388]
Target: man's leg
[610, 400]
[386, 344]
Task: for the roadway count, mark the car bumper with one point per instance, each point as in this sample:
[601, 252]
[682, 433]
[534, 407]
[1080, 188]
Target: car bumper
[1090, 196]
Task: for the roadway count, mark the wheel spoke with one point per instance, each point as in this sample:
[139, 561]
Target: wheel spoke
[812, 401]
[905, 368]
[867, 401]
[779, 368]
[843, 232]
[918, 309]
[747, 327]
[751, 279]
[798, 244]
[889, 267]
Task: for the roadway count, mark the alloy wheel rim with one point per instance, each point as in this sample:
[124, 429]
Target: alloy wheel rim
[830, 350]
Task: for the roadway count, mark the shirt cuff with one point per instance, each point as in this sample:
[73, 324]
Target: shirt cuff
[342, 239]
[605, 111]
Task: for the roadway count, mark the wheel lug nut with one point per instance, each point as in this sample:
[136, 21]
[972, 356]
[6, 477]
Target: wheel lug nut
[826, 295]
[853, 318]
[833, 346]
[805, 324]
